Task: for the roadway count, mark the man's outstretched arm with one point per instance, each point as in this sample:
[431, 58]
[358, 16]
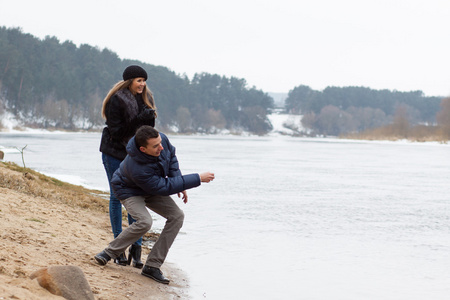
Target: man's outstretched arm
[204, 177]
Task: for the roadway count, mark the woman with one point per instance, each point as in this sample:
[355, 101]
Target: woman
[128, 105]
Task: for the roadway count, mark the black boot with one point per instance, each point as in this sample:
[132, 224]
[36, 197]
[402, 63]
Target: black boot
[102, 258]
[135, 255]
[155, 274]
[121, 260]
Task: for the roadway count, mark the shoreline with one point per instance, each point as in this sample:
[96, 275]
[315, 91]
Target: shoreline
[46, 222]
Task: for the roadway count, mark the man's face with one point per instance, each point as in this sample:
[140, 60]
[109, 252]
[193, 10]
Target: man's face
[153, 147]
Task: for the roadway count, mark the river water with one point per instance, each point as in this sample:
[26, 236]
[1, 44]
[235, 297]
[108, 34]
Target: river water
[292, 218]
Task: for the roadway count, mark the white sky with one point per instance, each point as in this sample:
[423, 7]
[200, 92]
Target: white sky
[275, 45]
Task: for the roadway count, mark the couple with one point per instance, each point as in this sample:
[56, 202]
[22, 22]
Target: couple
[147, 176]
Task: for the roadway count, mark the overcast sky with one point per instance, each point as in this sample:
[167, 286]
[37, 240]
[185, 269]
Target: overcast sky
[275, 46]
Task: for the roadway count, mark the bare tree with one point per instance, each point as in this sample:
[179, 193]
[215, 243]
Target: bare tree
[184, 119]
[443, 117]
[400, 124]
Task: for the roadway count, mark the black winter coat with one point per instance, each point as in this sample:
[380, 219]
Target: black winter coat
[125, 113]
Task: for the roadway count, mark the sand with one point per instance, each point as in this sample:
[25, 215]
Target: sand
[42, 231]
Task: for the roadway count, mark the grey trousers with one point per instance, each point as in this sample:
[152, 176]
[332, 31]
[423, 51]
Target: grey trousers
[136, 207]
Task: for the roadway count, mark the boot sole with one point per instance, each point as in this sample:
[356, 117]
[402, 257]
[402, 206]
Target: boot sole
[100, 260]
[137, 265]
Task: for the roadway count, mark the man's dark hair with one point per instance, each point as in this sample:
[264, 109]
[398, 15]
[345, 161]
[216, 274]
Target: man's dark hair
[144, 133]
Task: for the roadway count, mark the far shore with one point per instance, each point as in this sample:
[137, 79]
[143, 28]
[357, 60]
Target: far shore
[284, 124]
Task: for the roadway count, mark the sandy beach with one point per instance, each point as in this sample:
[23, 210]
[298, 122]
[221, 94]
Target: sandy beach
[49, 223]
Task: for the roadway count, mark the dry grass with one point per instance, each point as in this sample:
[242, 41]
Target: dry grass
[30, 182]
[45, 222]
[419, 133]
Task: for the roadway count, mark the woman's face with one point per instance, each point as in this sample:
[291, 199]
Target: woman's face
[137, 85]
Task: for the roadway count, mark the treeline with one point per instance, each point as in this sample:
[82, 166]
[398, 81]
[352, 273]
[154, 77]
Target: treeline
[401, 128]
[344, 110]
[52, 84]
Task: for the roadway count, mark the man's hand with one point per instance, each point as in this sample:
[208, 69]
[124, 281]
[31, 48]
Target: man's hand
[206, 177]
[185, 197]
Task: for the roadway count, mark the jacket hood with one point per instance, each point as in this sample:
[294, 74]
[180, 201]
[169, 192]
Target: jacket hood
[137, 155]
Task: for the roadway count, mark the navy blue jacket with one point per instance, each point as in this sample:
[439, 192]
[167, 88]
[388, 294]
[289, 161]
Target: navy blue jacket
[142, 174]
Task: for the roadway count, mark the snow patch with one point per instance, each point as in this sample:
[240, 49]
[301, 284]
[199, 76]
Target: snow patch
[285, 124]
[8, 121]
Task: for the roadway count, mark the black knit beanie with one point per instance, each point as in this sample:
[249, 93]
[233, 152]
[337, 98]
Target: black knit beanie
[134, 71]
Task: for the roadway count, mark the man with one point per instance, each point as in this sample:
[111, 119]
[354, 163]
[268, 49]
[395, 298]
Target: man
[146, 178]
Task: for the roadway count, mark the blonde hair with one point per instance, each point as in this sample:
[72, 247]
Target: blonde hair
[147, 95]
